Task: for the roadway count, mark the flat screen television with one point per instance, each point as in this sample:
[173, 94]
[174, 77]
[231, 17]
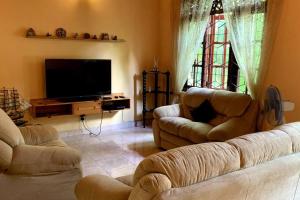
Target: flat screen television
[77, 78]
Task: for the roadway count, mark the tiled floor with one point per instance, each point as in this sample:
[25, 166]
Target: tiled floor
[115, 152]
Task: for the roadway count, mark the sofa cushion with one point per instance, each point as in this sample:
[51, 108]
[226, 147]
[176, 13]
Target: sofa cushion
[191, 164]
[185, 128]
[38, 134]
[230, 104]
[36, 160]
[204, 112]
[260, 147]
[9, 132]
[101, 187]
[193, 98]
[293, 130]
[6, 154]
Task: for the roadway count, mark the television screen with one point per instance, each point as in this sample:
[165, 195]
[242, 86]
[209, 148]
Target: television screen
[75, 78]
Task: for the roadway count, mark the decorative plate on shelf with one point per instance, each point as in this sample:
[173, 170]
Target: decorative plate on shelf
[61, 33]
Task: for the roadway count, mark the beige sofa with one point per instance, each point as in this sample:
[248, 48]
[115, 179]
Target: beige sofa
[35, 163]
[258, 166]
[173, 125]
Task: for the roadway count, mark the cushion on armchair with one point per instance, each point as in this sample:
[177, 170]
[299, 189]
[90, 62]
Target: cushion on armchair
[204, 112]
[36, 160]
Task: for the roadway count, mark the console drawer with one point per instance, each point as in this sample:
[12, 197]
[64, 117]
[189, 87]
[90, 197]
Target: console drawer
[86, 108]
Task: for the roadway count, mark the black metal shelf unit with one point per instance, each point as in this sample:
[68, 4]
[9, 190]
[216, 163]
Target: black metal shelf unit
[156, 90]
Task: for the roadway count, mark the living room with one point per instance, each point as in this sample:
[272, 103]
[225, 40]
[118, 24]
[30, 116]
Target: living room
[146, 32]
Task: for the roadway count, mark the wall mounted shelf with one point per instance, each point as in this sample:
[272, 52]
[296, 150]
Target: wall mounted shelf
[72, 38]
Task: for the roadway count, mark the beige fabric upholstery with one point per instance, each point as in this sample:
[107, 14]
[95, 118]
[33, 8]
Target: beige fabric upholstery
[258, 148]
[128, 180]
[293, 130]
[177, 141]
[185, 128]
[195, 96]
[6, 153]
[42, 166]
[258, 166]
[35, 135]
[156, 132]
[275, 180]
[36, 160]
[192, 164]
[236, 126]
[167, 111]
[9, 132]
[59, 186]
[231, 104]
[149, 186]
[99, 187]
[236, 115]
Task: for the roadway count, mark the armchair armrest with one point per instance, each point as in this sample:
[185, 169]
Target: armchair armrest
[236, 126]
[100, 187]
[150, 186]
[37, 160]
[167, 111]
[38, 134]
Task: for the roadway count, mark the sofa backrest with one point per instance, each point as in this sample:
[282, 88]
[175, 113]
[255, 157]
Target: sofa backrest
[9, 132]
[226, 103]
[10, 136]
[193, 164]
[230, 104]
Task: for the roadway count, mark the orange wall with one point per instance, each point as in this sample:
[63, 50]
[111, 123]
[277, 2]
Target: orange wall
[22, 59]
[284, 69]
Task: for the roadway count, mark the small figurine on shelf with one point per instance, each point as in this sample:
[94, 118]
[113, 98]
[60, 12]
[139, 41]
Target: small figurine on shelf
[95, 37]
[60, 33]
[104, 36]
[155, 65]
[48, 34]
[30, 32]
[114, 37]
[75, 35]
[86, 36]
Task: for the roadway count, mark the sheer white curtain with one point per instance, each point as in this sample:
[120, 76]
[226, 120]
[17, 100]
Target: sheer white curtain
[245, 24]
[194, 15]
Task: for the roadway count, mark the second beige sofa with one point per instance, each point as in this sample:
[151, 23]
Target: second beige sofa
[173, 125]
[258, 166]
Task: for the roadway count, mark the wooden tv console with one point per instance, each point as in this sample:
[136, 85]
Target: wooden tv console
[53, 107]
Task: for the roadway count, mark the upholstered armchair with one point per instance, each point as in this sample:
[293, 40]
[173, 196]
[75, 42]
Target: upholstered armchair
[174, 125]
[35, 163]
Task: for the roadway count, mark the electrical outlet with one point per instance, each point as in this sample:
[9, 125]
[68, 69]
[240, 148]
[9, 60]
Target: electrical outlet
[82, 117]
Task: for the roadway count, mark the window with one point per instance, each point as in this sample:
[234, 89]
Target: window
[215, 65]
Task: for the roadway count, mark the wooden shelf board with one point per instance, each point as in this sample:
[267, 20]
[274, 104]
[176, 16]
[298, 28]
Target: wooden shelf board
[72, 38]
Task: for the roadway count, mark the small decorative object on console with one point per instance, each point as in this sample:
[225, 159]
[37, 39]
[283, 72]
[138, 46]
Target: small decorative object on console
[114, 37]
[60, 33]
[30, 32]
[95, 37]
[75, 35]
[155, 65]
[104, 36]
[86, 36]
[48, 34]
[13, 105]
